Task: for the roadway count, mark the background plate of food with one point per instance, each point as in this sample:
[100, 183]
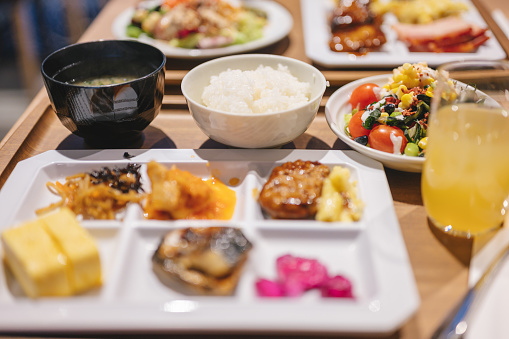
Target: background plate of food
[435, 31]
[204, 28]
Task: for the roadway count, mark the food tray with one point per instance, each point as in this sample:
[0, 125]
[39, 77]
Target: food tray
[393, 53]
[371, 253]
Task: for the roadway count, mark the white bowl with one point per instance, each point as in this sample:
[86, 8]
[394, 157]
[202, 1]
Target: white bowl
[256, 130]
[338, 106]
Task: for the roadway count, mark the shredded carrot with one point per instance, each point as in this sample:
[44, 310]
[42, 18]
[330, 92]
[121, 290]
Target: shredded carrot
[92, 201]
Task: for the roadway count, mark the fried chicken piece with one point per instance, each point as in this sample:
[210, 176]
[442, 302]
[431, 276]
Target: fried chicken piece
[292, 190]
[176, 192]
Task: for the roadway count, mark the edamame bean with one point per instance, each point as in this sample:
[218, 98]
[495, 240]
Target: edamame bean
[411, 149]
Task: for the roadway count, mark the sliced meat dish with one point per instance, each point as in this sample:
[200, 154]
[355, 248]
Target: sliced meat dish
[450, 34]
[465, 47]
[358, 39]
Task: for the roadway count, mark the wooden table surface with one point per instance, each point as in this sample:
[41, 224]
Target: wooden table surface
[440, 263]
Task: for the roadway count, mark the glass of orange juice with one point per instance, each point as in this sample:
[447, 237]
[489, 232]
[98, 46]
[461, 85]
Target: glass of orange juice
[465, 178]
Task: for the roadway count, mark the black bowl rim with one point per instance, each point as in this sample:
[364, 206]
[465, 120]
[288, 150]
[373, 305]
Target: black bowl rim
[162, 65]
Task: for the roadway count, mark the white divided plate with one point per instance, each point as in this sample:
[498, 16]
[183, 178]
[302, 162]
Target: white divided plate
[370, 252]
[338, 106]
[279, 24]
[394, 53]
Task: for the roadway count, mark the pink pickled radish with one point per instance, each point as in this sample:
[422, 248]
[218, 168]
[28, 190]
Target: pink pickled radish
[308, 273]
[337, 287]
[268, 288]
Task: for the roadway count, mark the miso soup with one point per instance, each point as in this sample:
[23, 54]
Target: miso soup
[102, 81]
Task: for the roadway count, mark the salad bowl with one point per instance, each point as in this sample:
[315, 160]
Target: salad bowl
[338, 106]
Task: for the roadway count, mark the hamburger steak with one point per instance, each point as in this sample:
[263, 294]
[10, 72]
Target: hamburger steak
[292, 190]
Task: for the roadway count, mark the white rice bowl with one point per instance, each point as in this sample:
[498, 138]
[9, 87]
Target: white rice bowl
[289, 95]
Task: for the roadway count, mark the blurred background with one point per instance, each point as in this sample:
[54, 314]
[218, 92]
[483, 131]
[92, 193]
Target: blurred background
[30, 30]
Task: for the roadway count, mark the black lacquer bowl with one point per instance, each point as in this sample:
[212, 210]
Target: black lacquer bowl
[106, 115]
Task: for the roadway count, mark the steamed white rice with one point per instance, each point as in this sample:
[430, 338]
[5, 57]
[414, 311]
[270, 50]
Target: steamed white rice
[264, 90]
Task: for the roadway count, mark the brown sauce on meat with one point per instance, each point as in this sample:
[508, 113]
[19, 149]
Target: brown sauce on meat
[355, 29]
[360, 40]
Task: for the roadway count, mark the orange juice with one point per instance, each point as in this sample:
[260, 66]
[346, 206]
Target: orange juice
[465, 179]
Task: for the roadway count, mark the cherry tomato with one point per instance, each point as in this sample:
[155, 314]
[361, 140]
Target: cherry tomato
[355, 126]
[363, 96]
[380, 138]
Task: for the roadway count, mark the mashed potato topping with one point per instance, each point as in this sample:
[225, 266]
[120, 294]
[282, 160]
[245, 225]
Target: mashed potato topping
[264, 90]
[419, 11]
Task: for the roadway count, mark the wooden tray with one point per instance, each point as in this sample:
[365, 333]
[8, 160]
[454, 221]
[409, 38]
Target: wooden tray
[440, 264]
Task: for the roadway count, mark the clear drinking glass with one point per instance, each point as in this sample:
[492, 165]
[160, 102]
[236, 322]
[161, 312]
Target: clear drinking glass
[465, 179]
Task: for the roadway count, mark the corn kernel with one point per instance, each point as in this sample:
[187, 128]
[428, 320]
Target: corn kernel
[395, 85]
[401, 91]
[423, 143]
[429, 92]
[383, 118]
[398, 77]
[428, 81]
[411, 83]
[449, 96]
[406, 100]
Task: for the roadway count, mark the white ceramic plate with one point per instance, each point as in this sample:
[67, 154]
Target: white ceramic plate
[486, 317]
[279, 24]
[338, 106]
[394, 52]
[370, 252]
